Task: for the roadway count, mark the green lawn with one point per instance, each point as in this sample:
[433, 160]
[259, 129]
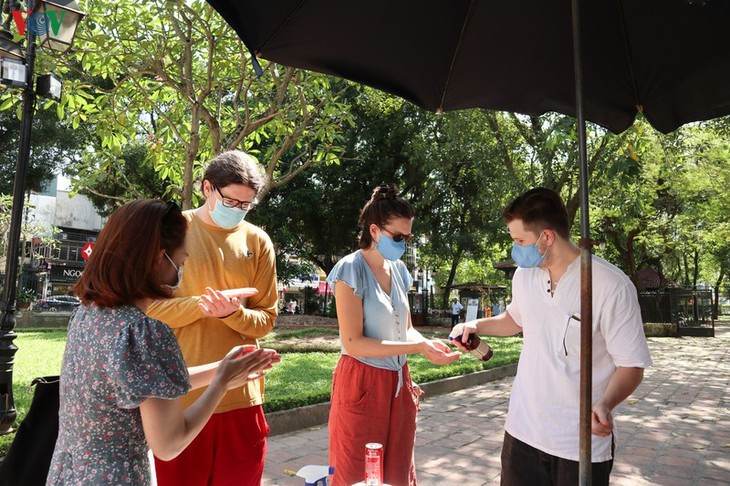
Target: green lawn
[303, 377]
[39, 354]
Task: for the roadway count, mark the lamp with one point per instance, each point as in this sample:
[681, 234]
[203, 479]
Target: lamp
[8, 48]
[49, 86]
[54, 22]
[61, 19]
[13, 73]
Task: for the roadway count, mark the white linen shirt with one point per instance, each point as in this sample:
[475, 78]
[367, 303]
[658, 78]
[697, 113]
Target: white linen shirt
[544, 404]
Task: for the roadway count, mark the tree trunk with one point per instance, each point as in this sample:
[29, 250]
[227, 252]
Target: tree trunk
[452, 274]
[696, 274]
[190, 155]
[716, 304]
[686, 268]
[572, 206]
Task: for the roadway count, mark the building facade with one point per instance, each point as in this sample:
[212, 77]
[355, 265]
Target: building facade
[53, 262]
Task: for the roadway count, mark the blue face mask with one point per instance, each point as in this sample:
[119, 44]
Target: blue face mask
[527, 256]
[389, 248]
[227, 218]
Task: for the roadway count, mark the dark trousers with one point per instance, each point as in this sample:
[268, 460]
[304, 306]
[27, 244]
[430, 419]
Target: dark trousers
[524, 465]
[454, 319]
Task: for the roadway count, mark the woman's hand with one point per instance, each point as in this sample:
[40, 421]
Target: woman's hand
[243, 364]
[438, 353]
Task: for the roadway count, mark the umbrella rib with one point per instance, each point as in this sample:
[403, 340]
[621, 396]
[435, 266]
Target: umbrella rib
[472, 5]
[282, 24]
[629, 57]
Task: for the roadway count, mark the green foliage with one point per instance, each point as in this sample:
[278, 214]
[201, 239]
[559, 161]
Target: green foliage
[668, 215]
[189, 94]
[25, 295]
[460, 196]
[315, 219]
[128, 177]
[54, 145]
[28, 229]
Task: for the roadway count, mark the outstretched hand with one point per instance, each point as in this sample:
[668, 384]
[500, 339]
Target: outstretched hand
[437, 352]
[245, 363]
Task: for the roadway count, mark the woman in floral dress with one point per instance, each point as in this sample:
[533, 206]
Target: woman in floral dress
[122, 371]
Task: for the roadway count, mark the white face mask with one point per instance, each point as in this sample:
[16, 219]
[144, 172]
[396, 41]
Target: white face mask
[179, 275]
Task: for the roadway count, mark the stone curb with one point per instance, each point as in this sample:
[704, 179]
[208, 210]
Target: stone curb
[287, 421]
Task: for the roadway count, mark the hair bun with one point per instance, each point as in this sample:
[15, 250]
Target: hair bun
[384, 191]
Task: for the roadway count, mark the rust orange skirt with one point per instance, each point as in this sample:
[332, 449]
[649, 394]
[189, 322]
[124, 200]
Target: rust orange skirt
[365, 409]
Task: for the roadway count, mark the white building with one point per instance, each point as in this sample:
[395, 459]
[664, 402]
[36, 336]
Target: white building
[53, 270]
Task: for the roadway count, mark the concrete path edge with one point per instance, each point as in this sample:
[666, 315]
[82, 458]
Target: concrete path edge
[313, 415]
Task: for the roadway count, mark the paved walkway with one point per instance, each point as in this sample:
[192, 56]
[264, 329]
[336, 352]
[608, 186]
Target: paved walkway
[674, 430]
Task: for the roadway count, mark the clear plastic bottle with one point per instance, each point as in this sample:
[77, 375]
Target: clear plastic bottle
[476, 346]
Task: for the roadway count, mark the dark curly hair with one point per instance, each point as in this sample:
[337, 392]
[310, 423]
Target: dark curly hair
[383, 205]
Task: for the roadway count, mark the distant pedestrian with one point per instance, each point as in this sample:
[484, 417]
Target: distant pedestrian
[373, 397]
[456, 309]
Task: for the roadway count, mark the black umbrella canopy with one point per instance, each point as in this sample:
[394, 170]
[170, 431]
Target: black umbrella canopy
[667, 58]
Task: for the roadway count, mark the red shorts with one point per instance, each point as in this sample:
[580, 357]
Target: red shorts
[365, 409]
[230, 450]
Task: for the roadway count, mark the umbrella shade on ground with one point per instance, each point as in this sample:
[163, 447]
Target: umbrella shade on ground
[667, 58]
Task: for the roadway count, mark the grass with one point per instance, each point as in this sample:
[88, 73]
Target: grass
[40, 353]
[304, 376]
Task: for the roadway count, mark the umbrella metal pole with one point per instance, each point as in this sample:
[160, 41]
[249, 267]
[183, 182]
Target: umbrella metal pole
[586, 269]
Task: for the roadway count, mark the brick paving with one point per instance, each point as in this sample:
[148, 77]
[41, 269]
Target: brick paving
[674, 430]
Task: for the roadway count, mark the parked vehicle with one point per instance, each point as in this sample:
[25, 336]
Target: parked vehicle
[57, 302]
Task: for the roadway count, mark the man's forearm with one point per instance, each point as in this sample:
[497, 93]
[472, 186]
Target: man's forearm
[622, 384]
[501, 325]
[252, 323]
[176, 312]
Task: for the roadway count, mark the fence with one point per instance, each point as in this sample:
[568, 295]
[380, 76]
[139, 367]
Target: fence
[688, 310]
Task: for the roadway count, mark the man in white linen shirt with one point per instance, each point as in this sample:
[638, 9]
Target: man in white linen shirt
[541, 442]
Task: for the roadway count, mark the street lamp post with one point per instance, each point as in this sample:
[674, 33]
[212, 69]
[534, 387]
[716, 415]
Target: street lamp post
[9, 55]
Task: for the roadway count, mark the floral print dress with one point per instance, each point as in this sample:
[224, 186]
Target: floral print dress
[115, 358]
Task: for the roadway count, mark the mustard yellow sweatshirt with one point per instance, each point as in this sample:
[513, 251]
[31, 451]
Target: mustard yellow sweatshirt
[222, 259]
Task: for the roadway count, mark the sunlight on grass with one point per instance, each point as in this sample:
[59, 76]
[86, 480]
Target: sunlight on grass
[39, 354]
[300, 379]
[306, 378]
